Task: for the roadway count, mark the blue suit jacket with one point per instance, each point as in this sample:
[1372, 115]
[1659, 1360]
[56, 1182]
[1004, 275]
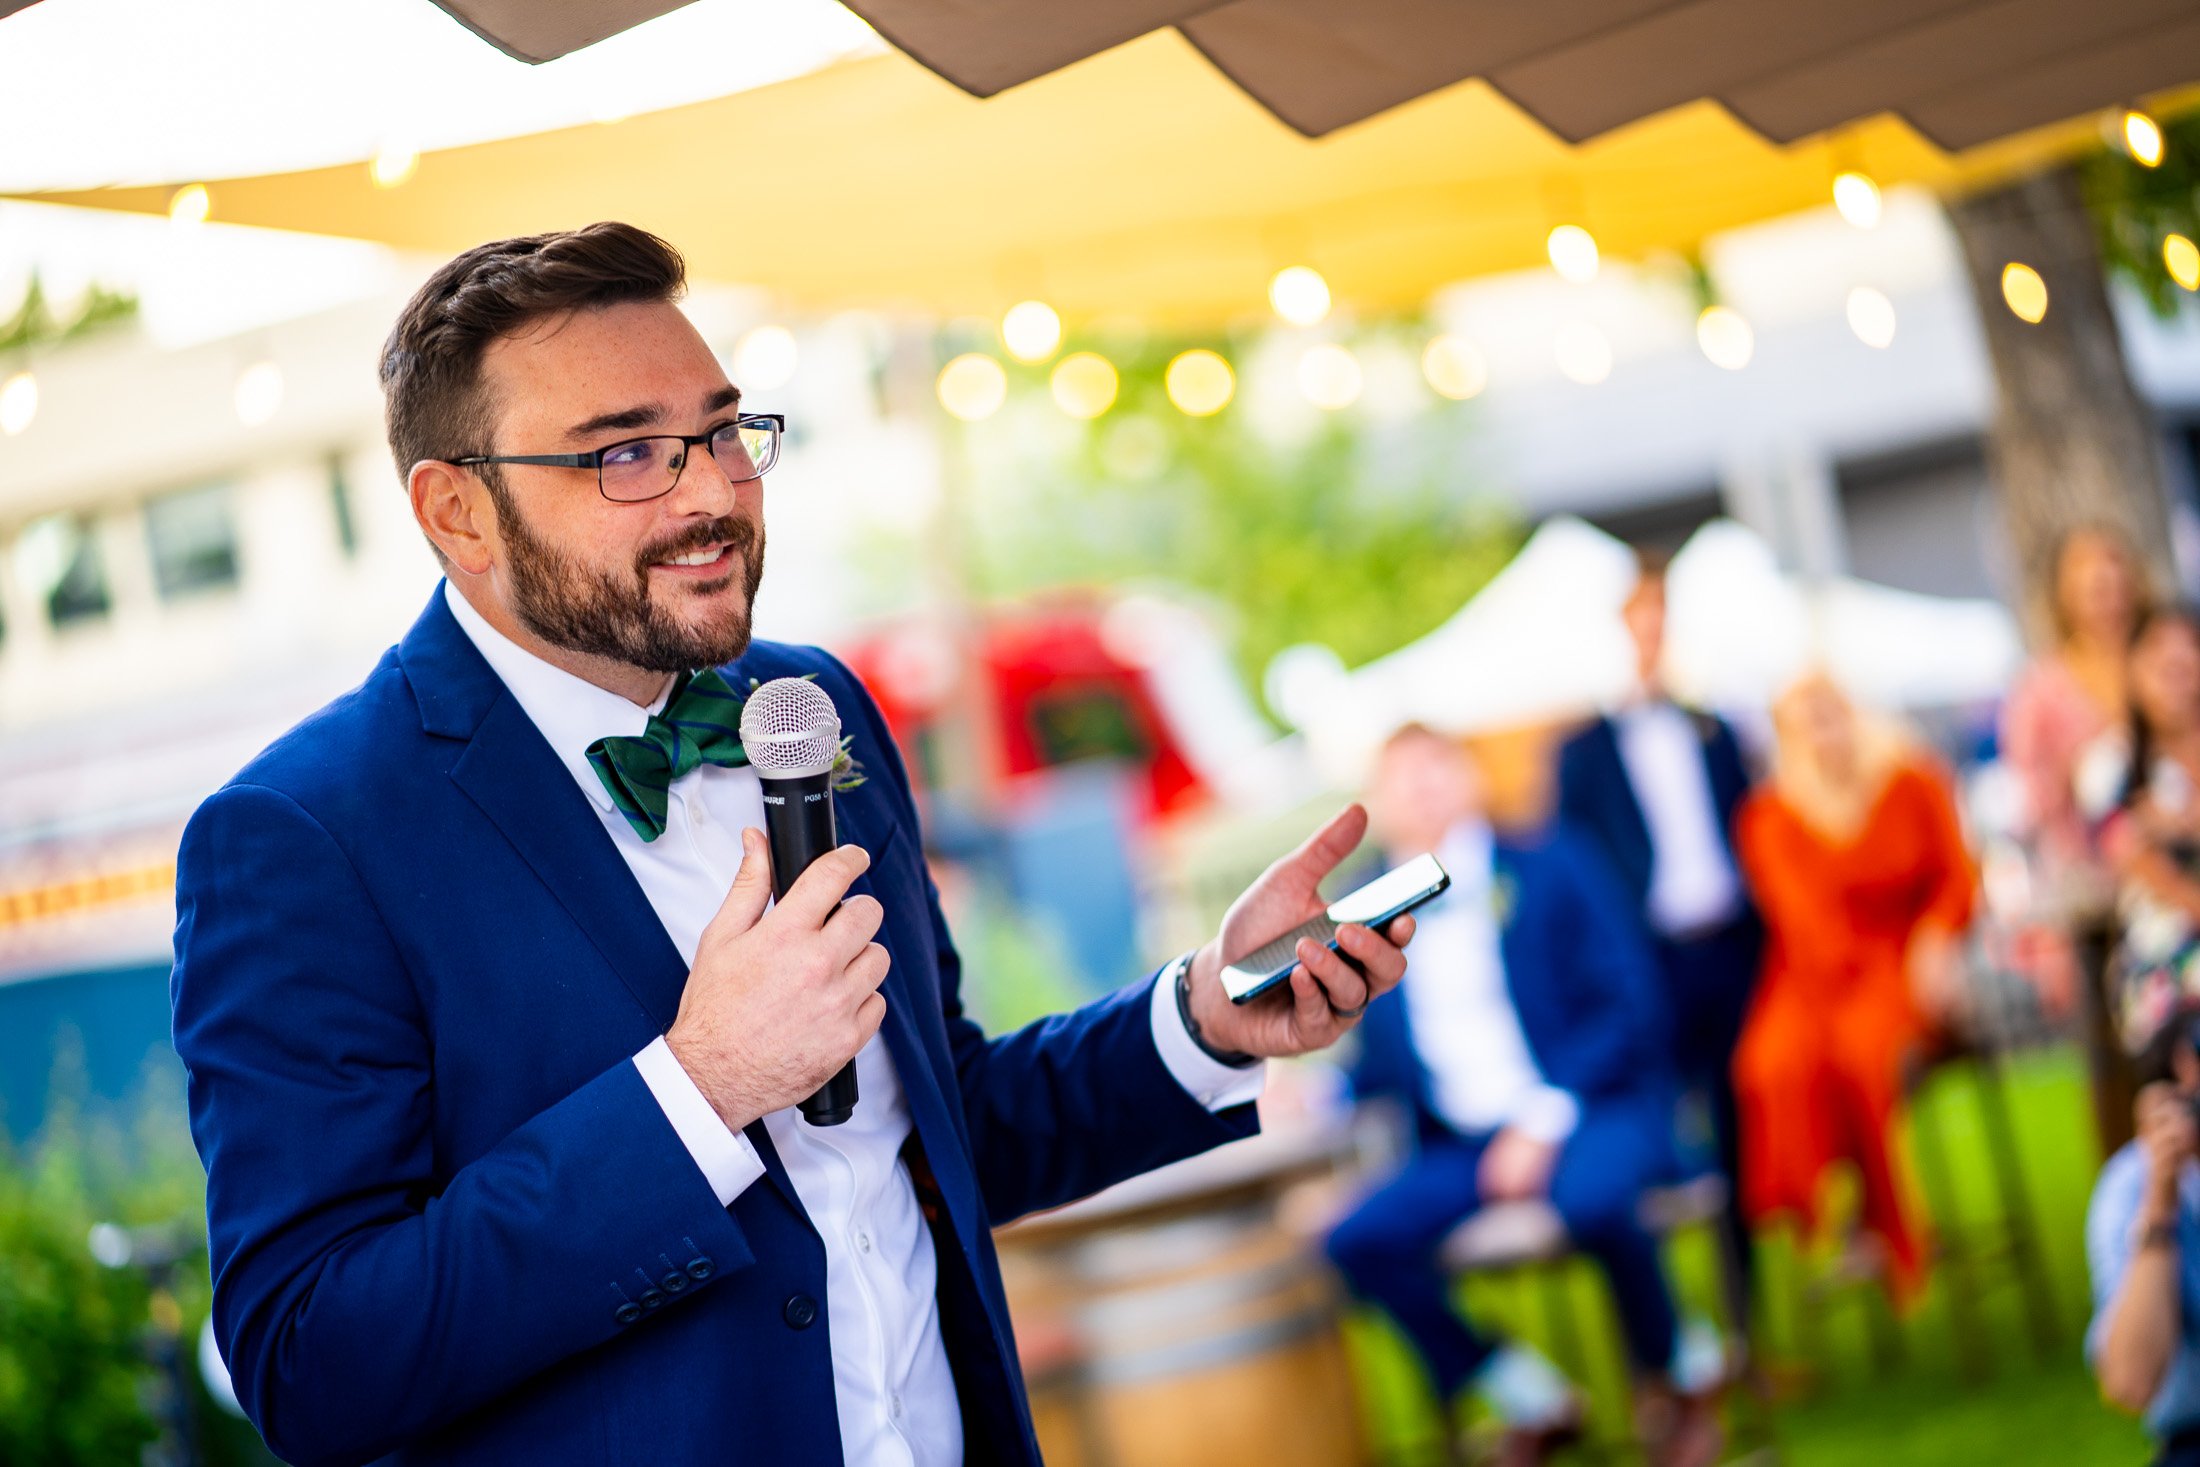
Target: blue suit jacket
[1597, 799]
[411, 969]
[1583, 982]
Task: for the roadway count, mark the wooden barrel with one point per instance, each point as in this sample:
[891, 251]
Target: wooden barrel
[1209, 1338]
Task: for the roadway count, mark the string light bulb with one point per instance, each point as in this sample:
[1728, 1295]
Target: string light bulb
[1871, 316]
[972, 387]
[1857, 198]
[765, 357]
[2181, 257]
[1200, 382]
[1725, 336]
[1584, 356]
[1299, 295]
[1454, 368]
[394, 164]
[1573, 253]
[2024, 291]
[2143, 138]
[18, 403]
[1329, 375]
[1084, 384]
[1031, 331]
[191, 204]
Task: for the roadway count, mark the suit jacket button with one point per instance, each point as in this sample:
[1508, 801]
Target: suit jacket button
[674, 1281]
[700, 1269]
[628, 1312]
[800, 1311]
[651, 1299]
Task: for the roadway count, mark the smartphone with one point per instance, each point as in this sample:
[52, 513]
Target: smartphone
[1377, 904]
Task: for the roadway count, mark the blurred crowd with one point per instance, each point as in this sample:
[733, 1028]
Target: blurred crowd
[1739, 956]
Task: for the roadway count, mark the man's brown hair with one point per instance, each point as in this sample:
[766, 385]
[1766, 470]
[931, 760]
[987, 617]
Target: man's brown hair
[435, 404]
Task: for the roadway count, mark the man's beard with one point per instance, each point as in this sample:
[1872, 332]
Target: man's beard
[607, 615]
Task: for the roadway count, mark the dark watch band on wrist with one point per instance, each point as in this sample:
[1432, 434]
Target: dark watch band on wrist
[1235, 1059]
[2155, 1235]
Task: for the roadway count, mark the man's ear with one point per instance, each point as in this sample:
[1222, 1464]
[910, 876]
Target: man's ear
[453, 509]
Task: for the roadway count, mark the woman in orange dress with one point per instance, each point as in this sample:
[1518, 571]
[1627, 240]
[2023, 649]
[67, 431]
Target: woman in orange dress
[1857, 861]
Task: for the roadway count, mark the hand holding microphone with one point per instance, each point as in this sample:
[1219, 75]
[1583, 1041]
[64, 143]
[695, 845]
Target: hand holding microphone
[780, 1001]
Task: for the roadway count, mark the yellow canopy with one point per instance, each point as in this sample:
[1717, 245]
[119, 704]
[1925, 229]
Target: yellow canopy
[1127, 183]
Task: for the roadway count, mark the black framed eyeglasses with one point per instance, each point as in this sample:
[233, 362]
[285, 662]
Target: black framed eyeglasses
[648, 468]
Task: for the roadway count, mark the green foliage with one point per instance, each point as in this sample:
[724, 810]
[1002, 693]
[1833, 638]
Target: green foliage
[2135, 208]
[74, 1335]
[34, 323]
[1337, 530]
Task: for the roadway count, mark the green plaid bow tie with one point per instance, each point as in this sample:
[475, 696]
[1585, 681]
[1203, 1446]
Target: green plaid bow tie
[701, 724]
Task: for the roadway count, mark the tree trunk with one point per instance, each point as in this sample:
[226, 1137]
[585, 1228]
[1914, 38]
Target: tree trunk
[2072, 442]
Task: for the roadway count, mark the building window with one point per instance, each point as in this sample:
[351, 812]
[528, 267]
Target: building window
[58, 559]
[193, 540]
[339, 498]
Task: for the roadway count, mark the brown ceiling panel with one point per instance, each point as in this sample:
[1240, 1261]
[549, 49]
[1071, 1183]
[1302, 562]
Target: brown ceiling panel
[1937, 55]
[543, 30]
[1321, 66]
[1689, 51]
[2157, 59]
[987, 46]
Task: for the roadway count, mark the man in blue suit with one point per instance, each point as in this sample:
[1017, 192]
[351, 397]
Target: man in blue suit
[1527, 1041]
[1656, 786]
[495, 1039]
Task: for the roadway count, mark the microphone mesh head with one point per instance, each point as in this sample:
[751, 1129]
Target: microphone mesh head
[790, 730]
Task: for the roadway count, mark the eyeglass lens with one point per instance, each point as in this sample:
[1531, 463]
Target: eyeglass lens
[648, 467]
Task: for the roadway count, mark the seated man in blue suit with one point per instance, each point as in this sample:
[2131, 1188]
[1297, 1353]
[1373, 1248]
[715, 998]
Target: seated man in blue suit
[1656, 786]
[495, 1038]
[1527, 1040]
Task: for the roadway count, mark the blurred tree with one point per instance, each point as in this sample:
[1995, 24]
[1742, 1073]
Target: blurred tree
[1340, 531]
[35, 324]
[2071, 439]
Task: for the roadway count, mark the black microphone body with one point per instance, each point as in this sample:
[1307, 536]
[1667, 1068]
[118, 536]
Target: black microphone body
[798, 822]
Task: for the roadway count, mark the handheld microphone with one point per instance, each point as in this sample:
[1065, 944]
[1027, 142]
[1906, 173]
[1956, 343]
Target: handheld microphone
[792, 735]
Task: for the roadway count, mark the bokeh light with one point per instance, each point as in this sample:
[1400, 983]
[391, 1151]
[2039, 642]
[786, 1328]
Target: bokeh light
[2143, 138]
[191, 204]
[394, 164]
[1031, 331]
[2181, 257]
[1454, 369]
[1725, 336]
[1299, 295]
[18, 403]
[1200, 382]
[1084, 384]
[972, 387]
[1329, 376]
[2025, 292]
[259, 394]
[1856, 195]
[1584, 356]
[1871, 316]
[764, 359]
[1573, 252]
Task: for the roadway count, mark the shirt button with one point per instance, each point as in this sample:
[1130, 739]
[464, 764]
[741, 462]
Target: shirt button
[697, 813]
[897, 1406]
[800, 1312]
[863, 1242]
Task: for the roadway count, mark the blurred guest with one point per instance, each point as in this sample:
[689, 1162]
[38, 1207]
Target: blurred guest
[1656, 785]
[1526, 1038]
[2142, 1235]
[1857, 858]
[2069, 696]
[2139, 784]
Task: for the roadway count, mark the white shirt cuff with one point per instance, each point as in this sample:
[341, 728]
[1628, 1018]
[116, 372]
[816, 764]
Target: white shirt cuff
[729, 1163]
[1215, 1085]
[1547, 1113]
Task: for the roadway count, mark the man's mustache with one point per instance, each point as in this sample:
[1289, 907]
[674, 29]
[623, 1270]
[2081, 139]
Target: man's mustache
[725, 530]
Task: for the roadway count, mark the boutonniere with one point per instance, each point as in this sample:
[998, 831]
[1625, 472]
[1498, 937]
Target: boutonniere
[1504, 898]
[846, 772]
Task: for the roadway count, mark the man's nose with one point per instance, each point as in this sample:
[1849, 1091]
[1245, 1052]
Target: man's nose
[703, 487]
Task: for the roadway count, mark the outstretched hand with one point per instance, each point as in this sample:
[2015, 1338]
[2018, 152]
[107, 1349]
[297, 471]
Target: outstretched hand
[1325, 995]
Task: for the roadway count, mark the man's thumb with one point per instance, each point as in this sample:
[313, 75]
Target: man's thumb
[751, 891]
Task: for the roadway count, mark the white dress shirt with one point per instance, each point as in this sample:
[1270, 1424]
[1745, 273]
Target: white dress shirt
[1693, 884]
[1482, 1077]
[892, 1386]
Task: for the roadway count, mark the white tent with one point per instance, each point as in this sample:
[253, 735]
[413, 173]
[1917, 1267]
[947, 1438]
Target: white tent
[1543, 641]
